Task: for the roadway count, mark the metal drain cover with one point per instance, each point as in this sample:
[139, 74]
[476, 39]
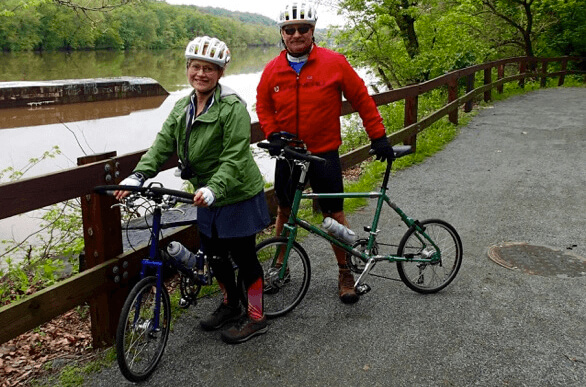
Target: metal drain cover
[538, 260]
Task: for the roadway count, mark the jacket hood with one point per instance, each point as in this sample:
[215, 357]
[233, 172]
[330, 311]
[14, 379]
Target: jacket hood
[226, 91]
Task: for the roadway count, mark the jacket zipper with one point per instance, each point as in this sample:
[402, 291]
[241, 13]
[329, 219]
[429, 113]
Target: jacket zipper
[297, 105]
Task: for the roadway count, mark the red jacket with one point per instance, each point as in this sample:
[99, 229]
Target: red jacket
[309, 105]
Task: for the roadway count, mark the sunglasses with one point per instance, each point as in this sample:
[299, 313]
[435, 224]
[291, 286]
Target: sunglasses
[291, 30]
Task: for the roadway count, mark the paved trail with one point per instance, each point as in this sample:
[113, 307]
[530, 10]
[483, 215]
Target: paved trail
[516, 173]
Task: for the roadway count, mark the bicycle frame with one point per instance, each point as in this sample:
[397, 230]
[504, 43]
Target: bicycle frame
[153, 262]
[291, 227]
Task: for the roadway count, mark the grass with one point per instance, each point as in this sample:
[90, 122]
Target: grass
[429, 142]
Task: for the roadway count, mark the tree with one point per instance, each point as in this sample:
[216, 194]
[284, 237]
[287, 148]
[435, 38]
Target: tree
[86, 7]
[525, 23]
[408, 42]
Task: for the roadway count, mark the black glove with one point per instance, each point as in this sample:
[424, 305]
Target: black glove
[277, 143]
[382, 149]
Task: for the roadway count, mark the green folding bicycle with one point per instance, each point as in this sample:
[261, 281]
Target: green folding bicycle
[428, 255]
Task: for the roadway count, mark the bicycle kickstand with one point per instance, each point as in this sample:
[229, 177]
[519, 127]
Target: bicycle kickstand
[362, 288]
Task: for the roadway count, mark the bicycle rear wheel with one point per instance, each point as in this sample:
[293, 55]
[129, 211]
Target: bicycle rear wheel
[139, 343]
[430, 277]
[283, 291]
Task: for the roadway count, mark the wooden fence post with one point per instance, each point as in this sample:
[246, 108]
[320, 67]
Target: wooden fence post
[544, 71]
[487, 81]
[411, 103]
[563, 75]
[102, 232]
[452, 96]
[522, 71]
[500, 75]
[469, 87]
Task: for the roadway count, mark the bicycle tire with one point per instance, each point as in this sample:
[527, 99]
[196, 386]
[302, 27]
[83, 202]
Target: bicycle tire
[430, 277]
[138, 348]
[282, 295]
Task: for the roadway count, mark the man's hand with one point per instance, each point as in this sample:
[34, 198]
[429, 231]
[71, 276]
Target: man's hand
[276, 143]
[382, 149]
[137, 179]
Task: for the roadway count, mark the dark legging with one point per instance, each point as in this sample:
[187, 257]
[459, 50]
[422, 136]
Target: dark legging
[243, 253]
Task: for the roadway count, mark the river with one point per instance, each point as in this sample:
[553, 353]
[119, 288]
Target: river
[123, 126]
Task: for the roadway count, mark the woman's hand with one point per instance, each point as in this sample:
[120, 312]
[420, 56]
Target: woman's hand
[204, 197]
[135, 180]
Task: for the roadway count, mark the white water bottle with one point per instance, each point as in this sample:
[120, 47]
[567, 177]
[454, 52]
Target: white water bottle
[181, 254]
[338, 230]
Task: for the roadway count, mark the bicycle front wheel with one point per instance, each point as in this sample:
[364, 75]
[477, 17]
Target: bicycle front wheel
[430, 277]
[143, 330]
[283, 290]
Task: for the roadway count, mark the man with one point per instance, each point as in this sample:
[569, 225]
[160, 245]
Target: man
[300, 92]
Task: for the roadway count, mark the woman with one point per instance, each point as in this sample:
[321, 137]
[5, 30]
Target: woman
[210, 132]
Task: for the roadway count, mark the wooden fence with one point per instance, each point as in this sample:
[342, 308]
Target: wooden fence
[110, 271]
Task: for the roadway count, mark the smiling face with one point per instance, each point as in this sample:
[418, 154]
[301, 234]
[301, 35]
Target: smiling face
[298, 38]
[203, 76]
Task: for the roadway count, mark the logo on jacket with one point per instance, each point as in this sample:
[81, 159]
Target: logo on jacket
[276, 89]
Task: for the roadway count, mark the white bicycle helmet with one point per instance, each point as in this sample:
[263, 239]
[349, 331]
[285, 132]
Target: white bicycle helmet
[297, 12]
[208, 49]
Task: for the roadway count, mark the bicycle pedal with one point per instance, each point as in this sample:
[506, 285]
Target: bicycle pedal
[184, 303]
[363, 289]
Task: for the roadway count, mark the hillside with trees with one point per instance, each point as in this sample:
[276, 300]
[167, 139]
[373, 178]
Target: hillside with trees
[45, 25]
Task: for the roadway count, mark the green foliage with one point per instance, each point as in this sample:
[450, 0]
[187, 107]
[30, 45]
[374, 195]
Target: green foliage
[43, 257]
[567, 34]
[245, 17]
[44, 25]
[403, 45]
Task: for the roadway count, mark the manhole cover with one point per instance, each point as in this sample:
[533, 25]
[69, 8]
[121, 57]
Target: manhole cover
[538, 260]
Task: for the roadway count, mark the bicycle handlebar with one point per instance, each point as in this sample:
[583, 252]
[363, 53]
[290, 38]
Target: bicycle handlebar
[148, 191]
[291, 152]
[303, 156]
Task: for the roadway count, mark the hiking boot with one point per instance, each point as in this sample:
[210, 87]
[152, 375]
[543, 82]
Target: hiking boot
[346, 287]
[246, 328]
[221, 316]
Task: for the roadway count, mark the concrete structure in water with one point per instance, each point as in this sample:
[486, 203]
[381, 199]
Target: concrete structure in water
[38, 93]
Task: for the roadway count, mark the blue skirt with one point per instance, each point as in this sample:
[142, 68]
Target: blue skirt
[235, 220]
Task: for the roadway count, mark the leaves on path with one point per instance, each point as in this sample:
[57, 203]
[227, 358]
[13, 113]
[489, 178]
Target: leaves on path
[38, 352]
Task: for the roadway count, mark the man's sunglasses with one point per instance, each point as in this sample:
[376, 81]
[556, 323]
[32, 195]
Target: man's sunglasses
[291, 30]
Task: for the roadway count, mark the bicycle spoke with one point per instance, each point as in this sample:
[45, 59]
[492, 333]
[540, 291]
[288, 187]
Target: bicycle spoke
[139, 344]
[430, 277]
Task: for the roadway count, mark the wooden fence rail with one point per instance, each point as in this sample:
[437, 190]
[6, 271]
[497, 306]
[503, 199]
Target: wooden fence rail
[110, 272]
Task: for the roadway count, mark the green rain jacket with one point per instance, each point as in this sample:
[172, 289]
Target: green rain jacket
[218, 151]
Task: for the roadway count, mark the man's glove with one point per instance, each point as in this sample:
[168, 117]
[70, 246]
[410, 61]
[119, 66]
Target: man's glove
[137, 179]
[382, 149]
[276, 143]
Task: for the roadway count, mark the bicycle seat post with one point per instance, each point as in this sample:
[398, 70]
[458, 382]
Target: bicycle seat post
[387, 176]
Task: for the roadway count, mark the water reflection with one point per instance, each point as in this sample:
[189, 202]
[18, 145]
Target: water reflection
[52, 114]
[165, 66]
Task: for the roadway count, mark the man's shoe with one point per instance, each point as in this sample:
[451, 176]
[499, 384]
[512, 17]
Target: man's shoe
[246, 328]
[221, 316]
[346, 287]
